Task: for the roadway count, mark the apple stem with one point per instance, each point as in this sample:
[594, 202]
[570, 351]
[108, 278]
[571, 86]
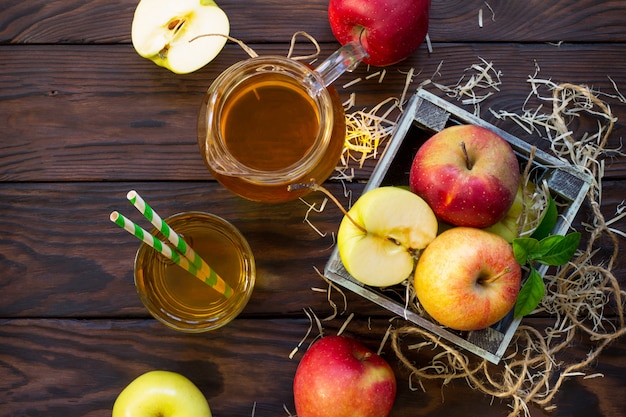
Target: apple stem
[468, 163]
[497, 277]
[313, 186]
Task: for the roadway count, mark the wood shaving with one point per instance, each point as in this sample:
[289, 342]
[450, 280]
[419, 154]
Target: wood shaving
[345, 324]
[493, 14]
[292, 46]
[313, 207]
[429, 45]
[365, 132]
[478, 82]
[312, 319]
[353, 82]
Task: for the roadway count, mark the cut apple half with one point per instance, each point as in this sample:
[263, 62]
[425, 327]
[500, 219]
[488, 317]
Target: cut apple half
[167, 31]
[381, 235]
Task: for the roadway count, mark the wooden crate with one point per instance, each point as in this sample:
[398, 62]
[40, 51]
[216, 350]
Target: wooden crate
[425, 115]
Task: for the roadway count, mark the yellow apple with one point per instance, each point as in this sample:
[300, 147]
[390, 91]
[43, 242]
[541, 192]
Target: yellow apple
[161, 394]
[381, 235]
[467, 278]
[163, 30]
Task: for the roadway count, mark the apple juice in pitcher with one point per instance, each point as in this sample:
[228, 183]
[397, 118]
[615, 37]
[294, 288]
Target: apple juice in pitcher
[269, 122]
[179, 299]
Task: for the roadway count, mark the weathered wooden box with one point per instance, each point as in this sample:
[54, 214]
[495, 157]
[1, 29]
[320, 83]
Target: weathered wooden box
[425, 115]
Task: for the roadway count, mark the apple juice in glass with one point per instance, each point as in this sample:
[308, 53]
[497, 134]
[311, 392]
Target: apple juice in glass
[180, 300]
[268, 122]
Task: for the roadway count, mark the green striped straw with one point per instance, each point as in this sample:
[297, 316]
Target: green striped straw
[211, 279]
[173, 237]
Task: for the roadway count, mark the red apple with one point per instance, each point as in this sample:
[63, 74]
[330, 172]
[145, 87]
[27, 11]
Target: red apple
[340, 377]
[467, 174]
[467, 278]
[389, 30]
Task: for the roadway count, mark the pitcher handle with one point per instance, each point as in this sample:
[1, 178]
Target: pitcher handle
[344, 59]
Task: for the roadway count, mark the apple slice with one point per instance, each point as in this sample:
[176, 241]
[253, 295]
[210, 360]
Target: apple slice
[162, 31]
[380, 236]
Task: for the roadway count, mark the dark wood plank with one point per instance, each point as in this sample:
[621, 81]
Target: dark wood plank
[78, 367]
[62, 257]
[90, 113]
[100, 21]
[83, 119]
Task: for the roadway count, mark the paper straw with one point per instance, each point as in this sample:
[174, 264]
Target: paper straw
[212, 279]
[171, 235]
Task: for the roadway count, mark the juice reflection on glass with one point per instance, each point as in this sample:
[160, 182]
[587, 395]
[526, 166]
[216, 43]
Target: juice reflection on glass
[180, 300]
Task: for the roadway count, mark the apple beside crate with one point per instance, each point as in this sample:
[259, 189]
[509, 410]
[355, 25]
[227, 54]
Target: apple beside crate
[425, 115]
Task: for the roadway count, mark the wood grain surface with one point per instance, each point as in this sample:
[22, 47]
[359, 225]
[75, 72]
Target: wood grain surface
[84, 119]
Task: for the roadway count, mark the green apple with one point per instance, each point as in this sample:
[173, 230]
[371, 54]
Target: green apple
[165, 32]
[467, 278]
[509, 226]
[161, 394]
[380, 237]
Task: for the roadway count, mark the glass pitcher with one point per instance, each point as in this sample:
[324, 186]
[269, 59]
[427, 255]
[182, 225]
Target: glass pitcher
[271, 121]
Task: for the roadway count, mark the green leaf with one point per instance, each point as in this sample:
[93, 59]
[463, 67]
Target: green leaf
[530, 295]
[547, 222]
[524, 248]
[557, 250]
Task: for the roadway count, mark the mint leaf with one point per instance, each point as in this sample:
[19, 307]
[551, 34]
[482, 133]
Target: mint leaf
[530, 294]
[524, 249]
[557, 250]
[548, 221]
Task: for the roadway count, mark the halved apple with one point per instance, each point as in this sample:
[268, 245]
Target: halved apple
[163, 30]
[381, 235]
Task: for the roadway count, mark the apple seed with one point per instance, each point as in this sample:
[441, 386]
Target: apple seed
[175, 24]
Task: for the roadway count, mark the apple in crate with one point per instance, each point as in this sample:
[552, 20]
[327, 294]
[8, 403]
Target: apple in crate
[389, 30]
[340, 377]
[381, 235]
[467, 278]
[161, 393]
[468, 174]
[163, 31]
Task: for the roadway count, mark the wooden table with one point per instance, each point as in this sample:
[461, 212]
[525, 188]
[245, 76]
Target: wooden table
[84, 119]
